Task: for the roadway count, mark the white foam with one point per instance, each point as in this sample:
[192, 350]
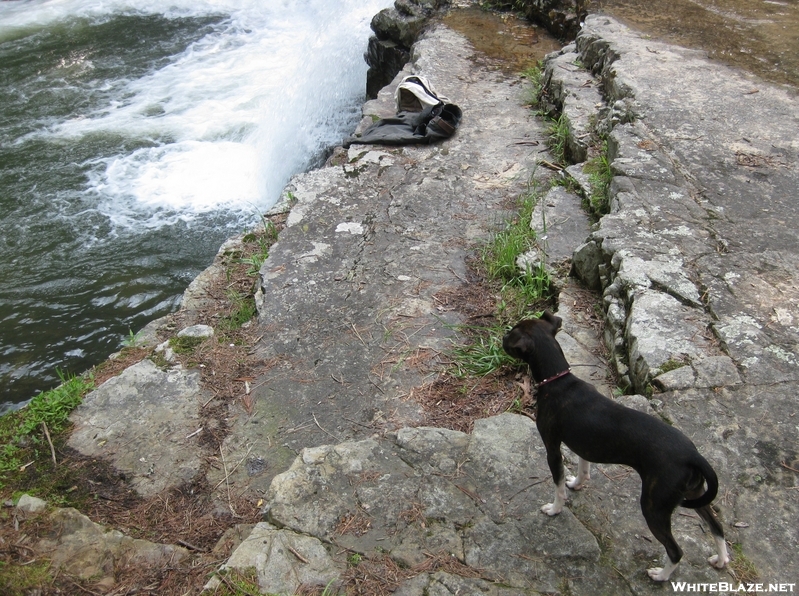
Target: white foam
[234, 116]
[190, 175]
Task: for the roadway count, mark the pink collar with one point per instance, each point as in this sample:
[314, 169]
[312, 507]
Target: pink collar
[555, 377]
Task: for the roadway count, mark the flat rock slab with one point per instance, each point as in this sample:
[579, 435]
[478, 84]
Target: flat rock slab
[435, 491]
[284, 560]
[560, 224]
[351, 294]
[142, 421]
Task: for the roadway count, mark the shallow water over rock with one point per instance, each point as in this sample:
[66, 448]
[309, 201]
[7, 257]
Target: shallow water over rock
[503, 37]
[761, 37]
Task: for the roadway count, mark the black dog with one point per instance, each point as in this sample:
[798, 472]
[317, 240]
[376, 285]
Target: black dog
[599, 430]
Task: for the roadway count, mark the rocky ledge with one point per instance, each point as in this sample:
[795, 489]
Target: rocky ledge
[696, 263]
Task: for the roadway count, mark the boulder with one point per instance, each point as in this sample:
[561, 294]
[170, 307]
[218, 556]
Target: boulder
[396, 30]
[90, 551]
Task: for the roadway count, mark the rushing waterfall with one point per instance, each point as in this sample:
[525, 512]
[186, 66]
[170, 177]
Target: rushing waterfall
[135, 137]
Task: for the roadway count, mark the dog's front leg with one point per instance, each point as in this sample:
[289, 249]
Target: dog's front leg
[662, 574]
[555, 461]
[560, 499]
[583, 475]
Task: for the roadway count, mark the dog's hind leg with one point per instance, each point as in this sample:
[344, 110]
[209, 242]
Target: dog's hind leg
[722, 558]
[583, 475]
[658, 518]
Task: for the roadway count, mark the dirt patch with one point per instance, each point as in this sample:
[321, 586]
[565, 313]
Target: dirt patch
[382, 576]
[454, 403]
[118, 363]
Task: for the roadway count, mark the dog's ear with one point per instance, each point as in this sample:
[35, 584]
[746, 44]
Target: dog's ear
[556, 322]
[519, 343]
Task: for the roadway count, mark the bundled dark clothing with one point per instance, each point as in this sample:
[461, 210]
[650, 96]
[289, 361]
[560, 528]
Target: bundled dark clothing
[432, 124]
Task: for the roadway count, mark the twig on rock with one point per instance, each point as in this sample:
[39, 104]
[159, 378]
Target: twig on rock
[227, 484]
[190, 546]
[550, 165]
[87, 590]
[469, 493]
[355, 329]
[233, 469]
[49, 442]
[196, 432]
[298, 555]
[787, 467]
[323, 430]
[517, 493]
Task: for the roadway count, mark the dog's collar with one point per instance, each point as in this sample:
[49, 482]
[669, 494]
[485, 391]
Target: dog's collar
[555, 377]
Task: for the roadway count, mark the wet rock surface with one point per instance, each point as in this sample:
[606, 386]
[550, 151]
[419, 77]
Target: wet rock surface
[696, 265]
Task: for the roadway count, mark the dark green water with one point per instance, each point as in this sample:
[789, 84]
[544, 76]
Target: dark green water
[72, 283]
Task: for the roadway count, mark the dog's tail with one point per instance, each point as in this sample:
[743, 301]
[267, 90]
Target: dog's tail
[703, 467]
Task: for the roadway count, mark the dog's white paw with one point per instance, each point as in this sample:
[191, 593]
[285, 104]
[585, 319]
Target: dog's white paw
[718, 563]
[574, 483]
[551, 509]
[658, 574]
[723, 557]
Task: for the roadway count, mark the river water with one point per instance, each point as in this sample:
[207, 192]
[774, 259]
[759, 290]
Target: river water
[135, 137]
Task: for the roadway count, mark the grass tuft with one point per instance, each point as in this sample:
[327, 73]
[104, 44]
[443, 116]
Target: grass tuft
[504, 248]
[521, 287]
[522, 292]
[132, 339]
[185, 345]
[558, 138]
[482, 356]
[238, 582]
[243, 309]
[534, 75]
[264, 240]
[22, 430]
[600, 175]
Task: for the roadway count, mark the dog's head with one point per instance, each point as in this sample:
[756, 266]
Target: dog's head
[529, 336]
